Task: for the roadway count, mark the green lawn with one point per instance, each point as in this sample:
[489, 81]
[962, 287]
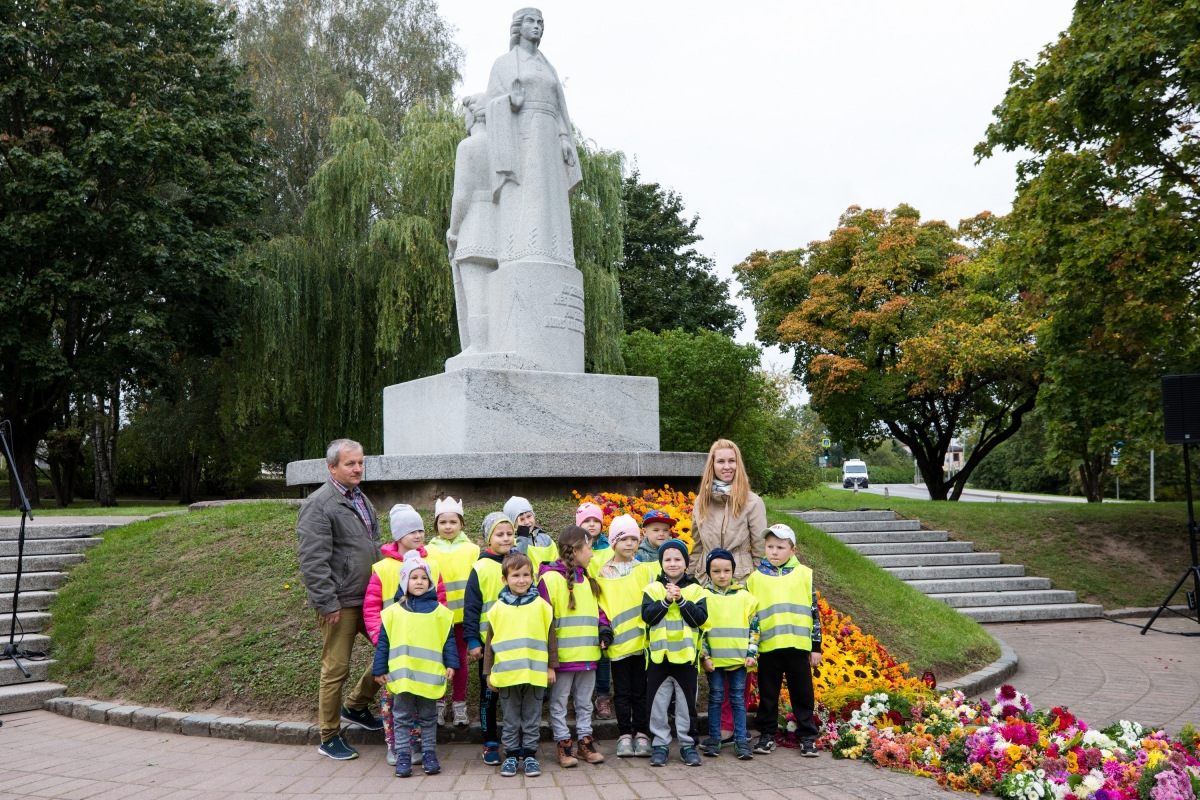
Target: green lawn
[1116, 554]
[87, 508]
[207, 610]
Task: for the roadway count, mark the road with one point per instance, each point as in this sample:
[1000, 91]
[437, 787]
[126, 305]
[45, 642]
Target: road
[907, 490]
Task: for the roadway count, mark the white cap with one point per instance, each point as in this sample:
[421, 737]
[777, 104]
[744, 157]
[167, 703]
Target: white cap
[781, 531]
[412, 561]
[515, 507]
[405, 519]
[447, 506]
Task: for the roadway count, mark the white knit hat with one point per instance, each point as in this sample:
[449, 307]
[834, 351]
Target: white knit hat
[447, 506]
[405, 519]
[413, 561]
[515, 507]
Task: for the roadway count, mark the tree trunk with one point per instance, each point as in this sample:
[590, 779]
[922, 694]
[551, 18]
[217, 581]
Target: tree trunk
[189, 481]
[106, 419]
[64, 447]
[1091, 478]
[24, 450]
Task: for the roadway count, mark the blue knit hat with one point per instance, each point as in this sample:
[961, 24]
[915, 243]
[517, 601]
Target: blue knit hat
[715, 553]
[677, 545]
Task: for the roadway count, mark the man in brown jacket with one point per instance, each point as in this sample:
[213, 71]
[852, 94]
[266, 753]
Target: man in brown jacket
[338, 534]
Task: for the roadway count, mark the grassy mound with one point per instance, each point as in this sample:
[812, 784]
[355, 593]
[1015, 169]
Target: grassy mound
[208, 611]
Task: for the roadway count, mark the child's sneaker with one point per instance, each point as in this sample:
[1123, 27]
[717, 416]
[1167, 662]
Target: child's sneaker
[391, 757]
[491, 754]
[441, 713]
[625, 746]
[642, 747]
[604, 707]
[587, 750]
[532, 767]
[690, 756]
[743, 751]
[659, 759]
[808, 749]
[404, 765]
[509, 767]
[363, 718]
[430, 764]
[765, 744]
[460, 714]
[711, 746]
[565, 758]
[337, 749]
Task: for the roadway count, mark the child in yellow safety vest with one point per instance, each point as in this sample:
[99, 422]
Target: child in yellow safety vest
[590, 517]
[674, 609]
[519, 662]
[789, 643]
[531, 540]
[483, 589]
[583, 631]
[455, 554]
[414, 656]
[728, 649]
[622, 581]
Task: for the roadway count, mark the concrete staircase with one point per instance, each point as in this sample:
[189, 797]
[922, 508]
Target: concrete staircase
[49, 550]
[977, 584]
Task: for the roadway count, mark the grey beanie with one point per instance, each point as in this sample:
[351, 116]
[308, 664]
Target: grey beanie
[515, 507]
[405, 519]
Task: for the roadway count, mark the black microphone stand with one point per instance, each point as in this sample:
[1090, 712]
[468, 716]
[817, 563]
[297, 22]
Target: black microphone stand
[11, 650]
[1193, 571]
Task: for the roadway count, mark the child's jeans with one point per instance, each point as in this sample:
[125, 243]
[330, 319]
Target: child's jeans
[458, 688]
[603, 676]
[577, 687]
[522, 706]
[409, 709]
[732, 681]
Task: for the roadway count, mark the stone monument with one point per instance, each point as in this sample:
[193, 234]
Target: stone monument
[516, 404]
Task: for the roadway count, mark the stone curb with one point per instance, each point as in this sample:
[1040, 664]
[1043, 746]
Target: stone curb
[206, 504]
[1133, 613]
[989, 677]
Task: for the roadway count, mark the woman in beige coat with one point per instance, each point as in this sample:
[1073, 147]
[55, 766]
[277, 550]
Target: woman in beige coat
[727, 514]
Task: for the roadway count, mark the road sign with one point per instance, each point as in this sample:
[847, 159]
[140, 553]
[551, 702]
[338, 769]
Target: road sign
[1113, 460]
[825, 442]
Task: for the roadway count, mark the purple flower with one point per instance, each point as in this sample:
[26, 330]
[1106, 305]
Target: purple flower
[1172, 784]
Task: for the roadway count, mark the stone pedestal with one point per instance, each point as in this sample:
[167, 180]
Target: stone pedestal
[520, 411]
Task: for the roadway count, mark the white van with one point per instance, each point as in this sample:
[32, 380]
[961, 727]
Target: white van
[854, 471]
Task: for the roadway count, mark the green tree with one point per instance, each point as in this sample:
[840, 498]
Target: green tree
[901, 329]
[665, 283]
[1022, 463]
[1104, 230]
[128, 167]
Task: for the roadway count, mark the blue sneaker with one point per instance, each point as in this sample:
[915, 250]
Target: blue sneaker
[404, 765]
[430, 764]
[690, 756]
[363, 718]
[659, 759]
[491, 754]
[532, 767]
[509, 767]
[337, 749]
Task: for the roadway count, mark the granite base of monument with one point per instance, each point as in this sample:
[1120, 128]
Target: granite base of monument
[486, 411]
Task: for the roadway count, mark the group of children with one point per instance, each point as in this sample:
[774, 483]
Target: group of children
[587, 614]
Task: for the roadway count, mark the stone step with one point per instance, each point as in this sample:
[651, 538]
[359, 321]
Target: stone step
[969, 571]
[50, 547]
[936, 559]
[28, 696]
[843, 516]
[40, 563]
[33, 581]
[30, 601]
[1033, 613]
[11, 530]
[978, 599]
[901, 548]
[27, 622]
[30, 643]
[864, 527]
[890, 537]
[964, 585]
[38, 670]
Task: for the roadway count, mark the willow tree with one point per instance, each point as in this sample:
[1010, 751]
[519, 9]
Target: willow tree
[598, 226]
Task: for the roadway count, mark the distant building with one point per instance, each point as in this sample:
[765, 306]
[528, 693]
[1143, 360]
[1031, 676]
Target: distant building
[954, 460]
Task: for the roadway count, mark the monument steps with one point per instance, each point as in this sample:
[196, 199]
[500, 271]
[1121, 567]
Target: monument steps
[977, 584]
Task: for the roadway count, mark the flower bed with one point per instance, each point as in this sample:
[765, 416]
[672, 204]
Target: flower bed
[672, 501]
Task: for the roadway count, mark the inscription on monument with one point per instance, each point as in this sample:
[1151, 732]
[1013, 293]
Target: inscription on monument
[571, 298]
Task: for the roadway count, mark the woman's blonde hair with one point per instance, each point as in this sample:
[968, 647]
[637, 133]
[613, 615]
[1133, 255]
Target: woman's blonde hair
[739, 492]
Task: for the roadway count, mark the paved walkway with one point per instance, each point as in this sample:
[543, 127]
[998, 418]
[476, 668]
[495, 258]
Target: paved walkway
[1105, 671]
[913, 492]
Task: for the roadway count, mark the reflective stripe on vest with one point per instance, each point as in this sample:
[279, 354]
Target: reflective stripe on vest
[782, 622]
[578, 628]
[415, 665]
[388, 570]
[491, 581]
[519, 643]
[621, 599]
[455, 566]
[671, 638]
[728, 627]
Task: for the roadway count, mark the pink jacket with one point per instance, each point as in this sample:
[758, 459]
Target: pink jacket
[373, 602]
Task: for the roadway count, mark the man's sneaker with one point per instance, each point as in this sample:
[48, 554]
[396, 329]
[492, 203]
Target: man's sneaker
[509, 767]
[711, 746]
[690, 756]
[362, 718]
[337, 749]
[460, 714]
[441, 713]
[430, 764]
[659, 759]
[532, 767]
[625, 746]
[391, 757]
[604, 707]
[565, 758]
[491, 754]
[587, 750]
[642, 747]
[808, 749]
[765, 744]
[743, 751]
[404, 765]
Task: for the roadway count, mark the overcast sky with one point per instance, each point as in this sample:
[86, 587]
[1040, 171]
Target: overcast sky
[771, 118]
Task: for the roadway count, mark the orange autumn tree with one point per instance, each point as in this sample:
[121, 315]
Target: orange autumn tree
[902, 328]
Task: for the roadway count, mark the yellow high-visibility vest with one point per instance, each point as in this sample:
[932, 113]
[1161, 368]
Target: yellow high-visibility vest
[728, 627]
[671, 637]
[784, 609]
[542, 555]
[415, 664]
[599, 559]
[455, 566]
[520, 650]
[578, 628]
[388, 570]
[491, 581]
[621, 599]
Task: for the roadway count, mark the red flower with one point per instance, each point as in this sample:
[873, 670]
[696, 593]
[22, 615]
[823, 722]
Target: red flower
[1007, 692]
[895, 718]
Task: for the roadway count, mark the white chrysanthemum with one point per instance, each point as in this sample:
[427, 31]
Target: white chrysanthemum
[1094, 738]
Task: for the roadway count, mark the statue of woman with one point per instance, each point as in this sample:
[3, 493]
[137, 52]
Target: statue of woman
[531, 146]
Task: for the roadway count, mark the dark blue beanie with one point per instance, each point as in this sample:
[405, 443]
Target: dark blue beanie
[717, 552]
[678, 545]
